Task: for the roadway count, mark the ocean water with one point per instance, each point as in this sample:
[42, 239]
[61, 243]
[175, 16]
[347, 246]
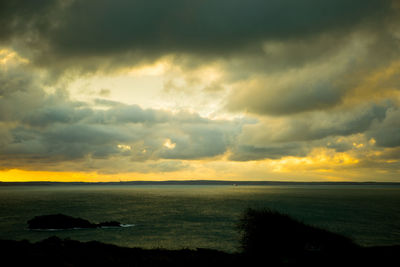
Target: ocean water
[177, 217]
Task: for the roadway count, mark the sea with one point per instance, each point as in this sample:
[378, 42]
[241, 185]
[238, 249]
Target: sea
[199, 216]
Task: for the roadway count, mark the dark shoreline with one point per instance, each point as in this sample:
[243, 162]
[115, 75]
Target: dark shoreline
[54, 251]
[200, 182]
[268, 238]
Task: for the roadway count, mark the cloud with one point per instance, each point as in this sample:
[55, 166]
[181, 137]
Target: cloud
[83, 32]
[40, 128]
[55, 132]
[168, 166]
[386, 132]
[307, 81]
[287, 93]
[243, 152]
[196, 141]
[58, 139]
[20, 16]
[104, 92]
[314, 126]
[298, 135]
[350, 74]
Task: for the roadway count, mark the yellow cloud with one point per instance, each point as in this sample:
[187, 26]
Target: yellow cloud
[377, 84]
[168, 144]
[158, 68]
[124, 147]
[8, 56]
[320, 159]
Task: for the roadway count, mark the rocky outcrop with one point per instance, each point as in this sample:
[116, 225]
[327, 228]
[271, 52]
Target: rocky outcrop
[61, 221]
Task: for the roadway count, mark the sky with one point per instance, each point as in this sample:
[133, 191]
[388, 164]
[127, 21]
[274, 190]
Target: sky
[275, 90]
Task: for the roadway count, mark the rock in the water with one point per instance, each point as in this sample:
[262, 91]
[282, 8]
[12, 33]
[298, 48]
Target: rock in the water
[61, 221]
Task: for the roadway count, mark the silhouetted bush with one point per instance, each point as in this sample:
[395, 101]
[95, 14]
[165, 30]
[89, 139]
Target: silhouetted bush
[267, 233]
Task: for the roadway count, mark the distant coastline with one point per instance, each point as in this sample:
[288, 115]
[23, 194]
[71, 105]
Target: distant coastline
[199, 182]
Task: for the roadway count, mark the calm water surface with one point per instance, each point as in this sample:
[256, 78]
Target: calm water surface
[200, 216]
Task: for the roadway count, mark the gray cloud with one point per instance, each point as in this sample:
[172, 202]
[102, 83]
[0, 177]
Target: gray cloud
[59, 142]
[69, 32]
[19, 93]
[244, 152]
[281, 96]
[53, 129]
[387, 132]
[56, 113]
[197, 141]
[297, 135]
[320, 82]
[57, 138]
[315, 126]
[168, 166]
[20, 16]
[40, 128]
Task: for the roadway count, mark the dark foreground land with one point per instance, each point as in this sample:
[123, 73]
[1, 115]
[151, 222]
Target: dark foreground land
[56, 252]
[268, 239]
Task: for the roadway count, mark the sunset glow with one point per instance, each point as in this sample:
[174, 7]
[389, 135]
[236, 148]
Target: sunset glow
[262, 91]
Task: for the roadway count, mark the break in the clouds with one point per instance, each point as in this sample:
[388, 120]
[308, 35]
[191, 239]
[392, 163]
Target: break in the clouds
[241, 89]
[45, 128]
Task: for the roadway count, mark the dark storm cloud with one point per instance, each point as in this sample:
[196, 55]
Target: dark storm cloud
[64, 32]
[101, 26]
[19, 16]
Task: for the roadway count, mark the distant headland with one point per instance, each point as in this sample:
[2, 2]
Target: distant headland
[200, 182]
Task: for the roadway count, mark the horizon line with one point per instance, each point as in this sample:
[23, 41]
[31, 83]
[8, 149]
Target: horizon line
[215, 182]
